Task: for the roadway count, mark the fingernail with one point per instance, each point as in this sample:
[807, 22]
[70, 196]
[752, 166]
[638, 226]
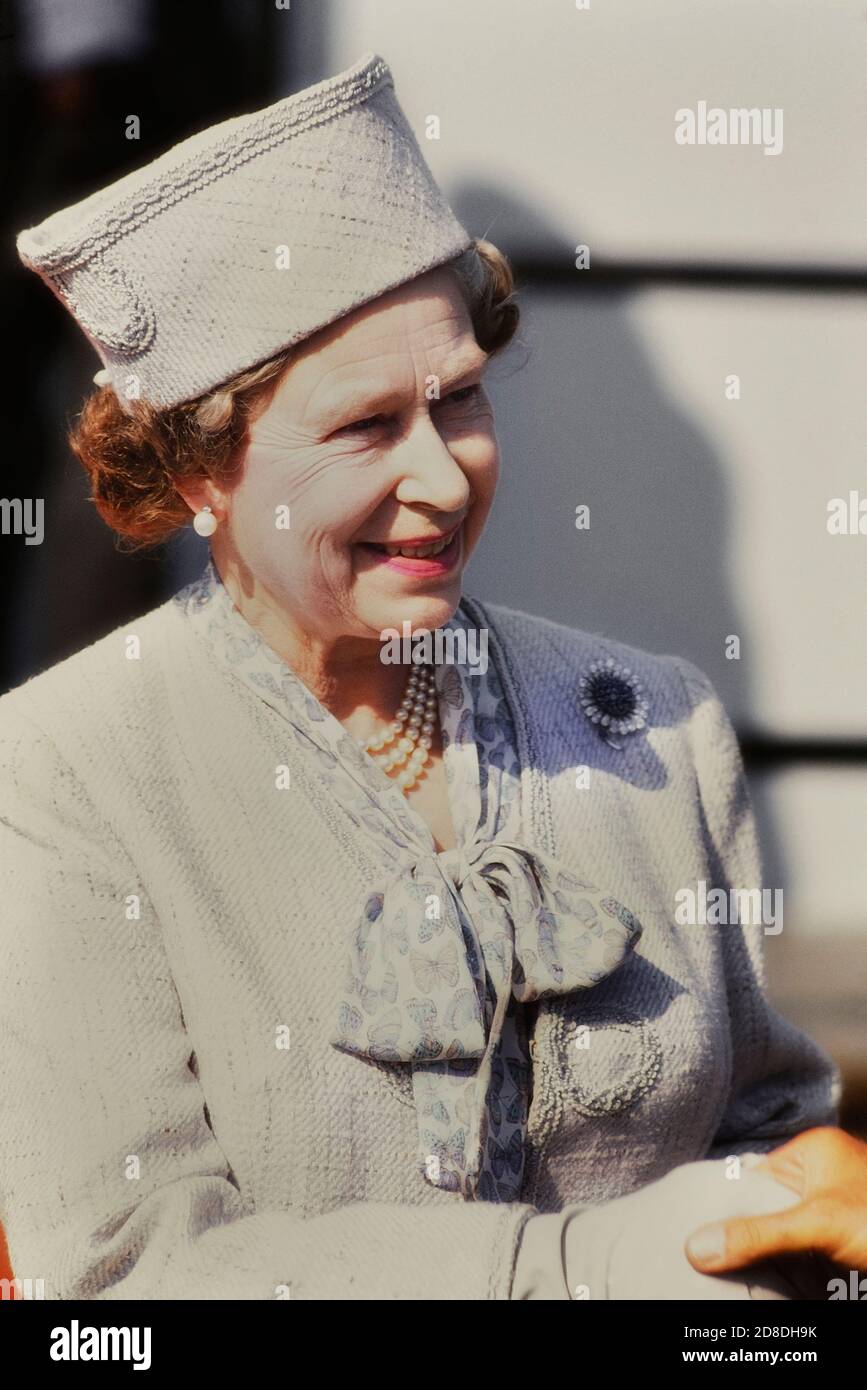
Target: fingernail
[707, 1245]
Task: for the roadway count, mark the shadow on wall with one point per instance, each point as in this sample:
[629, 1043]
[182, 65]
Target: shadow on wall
[583, 417]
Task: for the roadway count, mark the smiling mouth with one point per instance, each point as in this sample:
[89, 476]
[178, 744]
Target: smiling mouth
[431, 557]
[421, 551]
[416, 552]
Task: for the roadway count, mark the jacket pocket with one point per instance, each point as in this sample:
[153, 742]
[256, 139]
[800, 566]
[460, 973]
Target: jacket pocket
[606, 1056]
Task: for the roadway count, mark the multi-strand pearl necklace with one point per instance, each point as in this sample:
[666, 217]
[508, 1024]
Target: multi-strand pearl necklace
[411, 731]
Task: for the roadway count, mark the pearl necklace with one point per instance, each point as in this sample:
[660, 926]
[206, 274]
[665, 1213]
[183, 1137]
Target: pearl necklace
[418, 711]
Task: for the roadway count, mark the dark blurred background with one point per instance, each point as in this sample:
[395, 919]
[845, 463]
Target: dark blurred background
[71, 75]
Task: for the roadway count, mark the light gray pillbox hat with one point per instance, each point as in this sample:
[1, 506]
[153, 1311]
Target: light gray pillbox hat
[174, 271]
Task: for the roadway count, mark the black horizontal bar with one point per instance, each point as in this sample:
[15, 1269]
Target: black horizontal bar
[546, 270]
[760, 751]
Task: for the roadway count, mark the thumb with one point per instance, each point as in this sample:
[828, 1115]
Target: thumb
[733, 1244]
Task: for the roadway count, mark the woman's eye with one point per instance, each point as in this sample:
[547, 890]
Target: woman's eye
[361, 426]
[371, 422]
[465, 393]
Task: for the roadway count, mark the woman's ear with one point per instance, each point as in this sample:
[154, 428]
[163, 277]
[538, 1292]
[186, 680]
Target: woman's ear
[202, 492]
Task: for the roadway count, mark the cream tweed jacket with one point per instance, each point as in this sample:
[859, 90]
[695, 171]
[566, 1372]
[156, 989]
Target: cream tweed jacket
[164, 926]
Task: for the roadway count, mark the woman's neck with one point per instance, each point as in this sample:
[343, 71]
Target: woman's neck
[347, 676]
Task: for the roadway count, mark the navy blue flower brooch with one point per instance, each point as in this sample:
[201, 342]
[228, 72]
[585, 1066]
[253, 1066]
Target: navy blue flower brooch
[613, 700]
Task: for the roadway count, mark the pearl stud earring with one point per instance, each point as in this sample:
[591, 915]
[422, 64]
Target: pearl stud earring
[204, 522]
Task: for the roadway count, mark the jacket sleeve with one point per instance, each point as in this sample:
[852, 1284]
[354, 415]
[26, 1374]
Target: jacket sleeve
[112, 1182]
[782, 1082]
[540, 1269]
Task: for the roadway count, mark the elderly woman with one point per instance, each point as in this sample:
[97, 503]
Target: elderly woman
[329, 975]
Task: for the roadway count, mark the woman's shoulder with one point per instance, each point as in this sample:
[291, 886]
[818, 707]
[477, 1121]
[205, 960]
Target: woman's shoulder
[111, 680]
[575, 685]
[551, 655]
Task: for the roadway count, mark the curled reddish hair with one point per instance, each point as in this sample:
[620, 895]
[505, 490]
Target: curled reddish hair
[135, 456]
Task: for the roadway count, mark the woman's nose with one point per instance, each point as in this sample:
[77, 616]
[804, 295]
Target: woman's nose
[429, 473]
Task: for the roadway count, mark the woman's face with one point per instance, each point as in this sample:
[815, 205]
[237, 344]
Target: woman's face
[380, 433]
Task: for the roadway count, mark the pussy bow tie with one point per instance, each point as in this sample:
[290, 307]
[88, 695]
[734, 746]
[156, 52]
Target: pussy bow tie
[434, 962]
